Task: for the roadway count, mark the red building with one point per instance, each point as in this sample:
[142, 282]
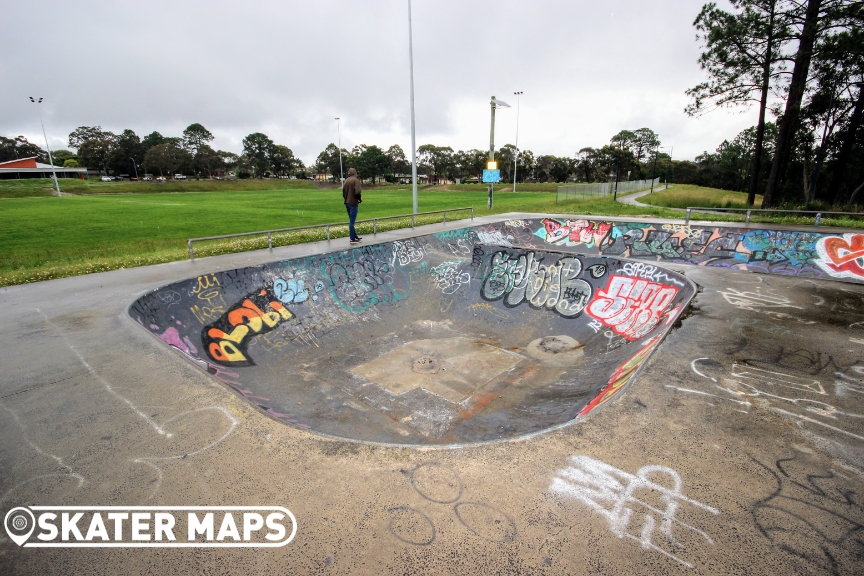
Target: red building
[30, 168]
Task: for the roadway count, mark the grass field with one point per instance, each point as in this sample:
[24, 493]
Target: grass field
[50, 237]
[684, 195]
[111, 225]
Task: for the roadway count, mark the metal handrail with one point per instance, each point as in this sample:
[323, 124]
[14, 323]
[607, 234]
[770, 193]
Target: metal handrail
[817, 221]
[374, 221]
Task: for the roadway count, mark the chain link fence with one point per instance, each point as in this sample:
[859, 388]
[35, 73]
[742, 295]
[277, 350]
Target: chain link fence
[592, 190]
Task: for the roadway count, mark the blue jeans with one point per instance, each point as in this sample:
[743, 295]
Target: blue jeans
[352, 216]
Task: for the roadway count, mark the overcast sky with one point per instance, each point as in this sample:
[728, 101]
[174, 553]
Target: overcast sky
[588, 69]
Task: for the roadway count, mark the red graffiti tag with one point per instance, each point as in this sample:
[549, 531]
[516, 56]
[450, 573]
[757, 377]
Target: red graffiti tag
[632, 307]
[843, 254]
[576, 231]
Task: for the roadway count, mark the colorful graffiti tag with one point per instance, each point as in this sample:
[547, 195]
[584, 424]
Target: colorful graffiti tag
[365, 276]
[785, 252]
[227, 339]
[632, 307]
[621, 376]
[574, 232]
[842, 256]
[525, 278]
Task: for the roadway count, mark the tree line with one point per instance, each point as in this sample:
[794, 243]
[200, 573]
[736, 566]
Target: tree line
[191, 153]
[808, 54]
[632, 154]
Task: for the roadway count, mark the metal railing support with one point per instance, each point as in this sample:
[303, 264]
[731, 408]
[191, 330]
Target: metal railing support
[687, 219]
[445, 217]
[374, 221]
[749, 212]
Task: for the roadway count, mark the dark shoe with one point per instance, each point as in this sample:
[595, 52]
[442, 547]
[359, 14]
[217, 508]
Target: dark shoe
[355, 241]
[358, 238]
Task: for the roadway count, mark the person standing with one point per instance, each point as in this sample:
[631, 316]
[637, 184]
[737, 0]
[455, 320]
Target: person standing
[351, 190]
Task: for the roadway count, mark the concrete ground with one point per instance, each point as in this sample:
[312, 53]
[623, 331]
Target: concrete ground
[739, 449]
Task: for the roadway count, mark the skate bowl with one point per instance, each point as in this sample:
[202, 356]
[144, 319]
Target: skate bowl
[453, 338]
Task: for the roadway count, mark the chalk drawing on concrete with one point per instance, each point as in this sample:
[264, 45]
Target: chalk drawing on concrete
[620, 497]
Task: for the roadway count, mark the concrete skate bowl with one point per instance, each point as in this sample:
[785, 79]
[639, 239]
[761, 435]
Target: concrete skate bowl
[434, 340]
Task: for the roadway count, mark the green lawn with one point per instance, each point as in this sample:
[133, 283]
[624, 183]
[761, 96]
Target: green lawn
[50, 237]
[107, 226]
[685, 195]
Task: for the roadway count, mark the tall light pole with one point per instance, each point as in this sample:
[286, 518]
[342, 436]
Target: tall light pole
[516, 156]
[339, 141]
[134, 166]
[413, 137]
[493, 104]
[671, 149]
[654, 171]
[50, 159]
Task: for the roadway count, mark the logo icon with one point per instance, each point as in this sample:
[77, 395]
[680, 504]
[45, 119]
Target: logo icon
[19, 523]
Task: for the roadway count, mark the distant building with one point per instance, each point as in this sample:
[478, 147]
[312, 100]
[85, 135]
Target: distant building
[29, 168]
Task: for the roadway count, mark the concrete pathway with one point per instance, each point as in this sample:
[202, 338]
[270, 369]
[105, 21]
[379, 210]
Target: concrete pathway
[739, 449]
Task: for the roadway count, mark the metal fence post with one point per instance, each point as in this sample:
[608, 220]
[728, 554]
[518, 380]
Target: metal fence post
[472, 212]
[687, 219]
[818, 218]
[445, 217]
[412, 221]
[269, 241]
[328, 232]
[747, 220]
[191, 254]
[374, 226]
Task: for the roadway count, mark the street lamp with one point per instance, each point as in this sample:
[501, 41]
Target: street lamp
[493, 104]
[339, 136]
[413, 136]
[654, 171]
[671, 149]
[50, 159]
[516, 156]
[134, 166]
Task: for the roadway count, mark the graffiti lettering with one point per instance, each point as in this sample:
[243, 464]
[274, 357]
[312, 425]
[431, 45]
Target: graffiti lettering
[477, 256]
[524, 278]
[363, 277]
[618, 496]
[632, 307]
[227, 339]
[649, 272]
[842, 257]
[406, 252]
[448, 278]
[290, 291]
[574, 232]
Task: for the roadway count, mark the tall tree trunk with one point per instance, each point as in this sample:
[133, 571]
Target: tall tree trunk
[846, 150]
[789, 122]
[763, 103]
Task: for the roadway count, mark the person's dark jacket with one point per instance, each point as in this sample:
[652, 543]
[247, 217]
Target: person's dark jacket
[351, 189]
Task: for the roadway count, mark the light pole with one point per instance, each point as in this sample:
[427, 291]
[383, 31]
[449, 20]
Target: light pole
[50, 159]
[134, 166]
[493, 104]
[413, 138]
[671, 149]
[654, 171]
[339, 140]
[516, 156]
